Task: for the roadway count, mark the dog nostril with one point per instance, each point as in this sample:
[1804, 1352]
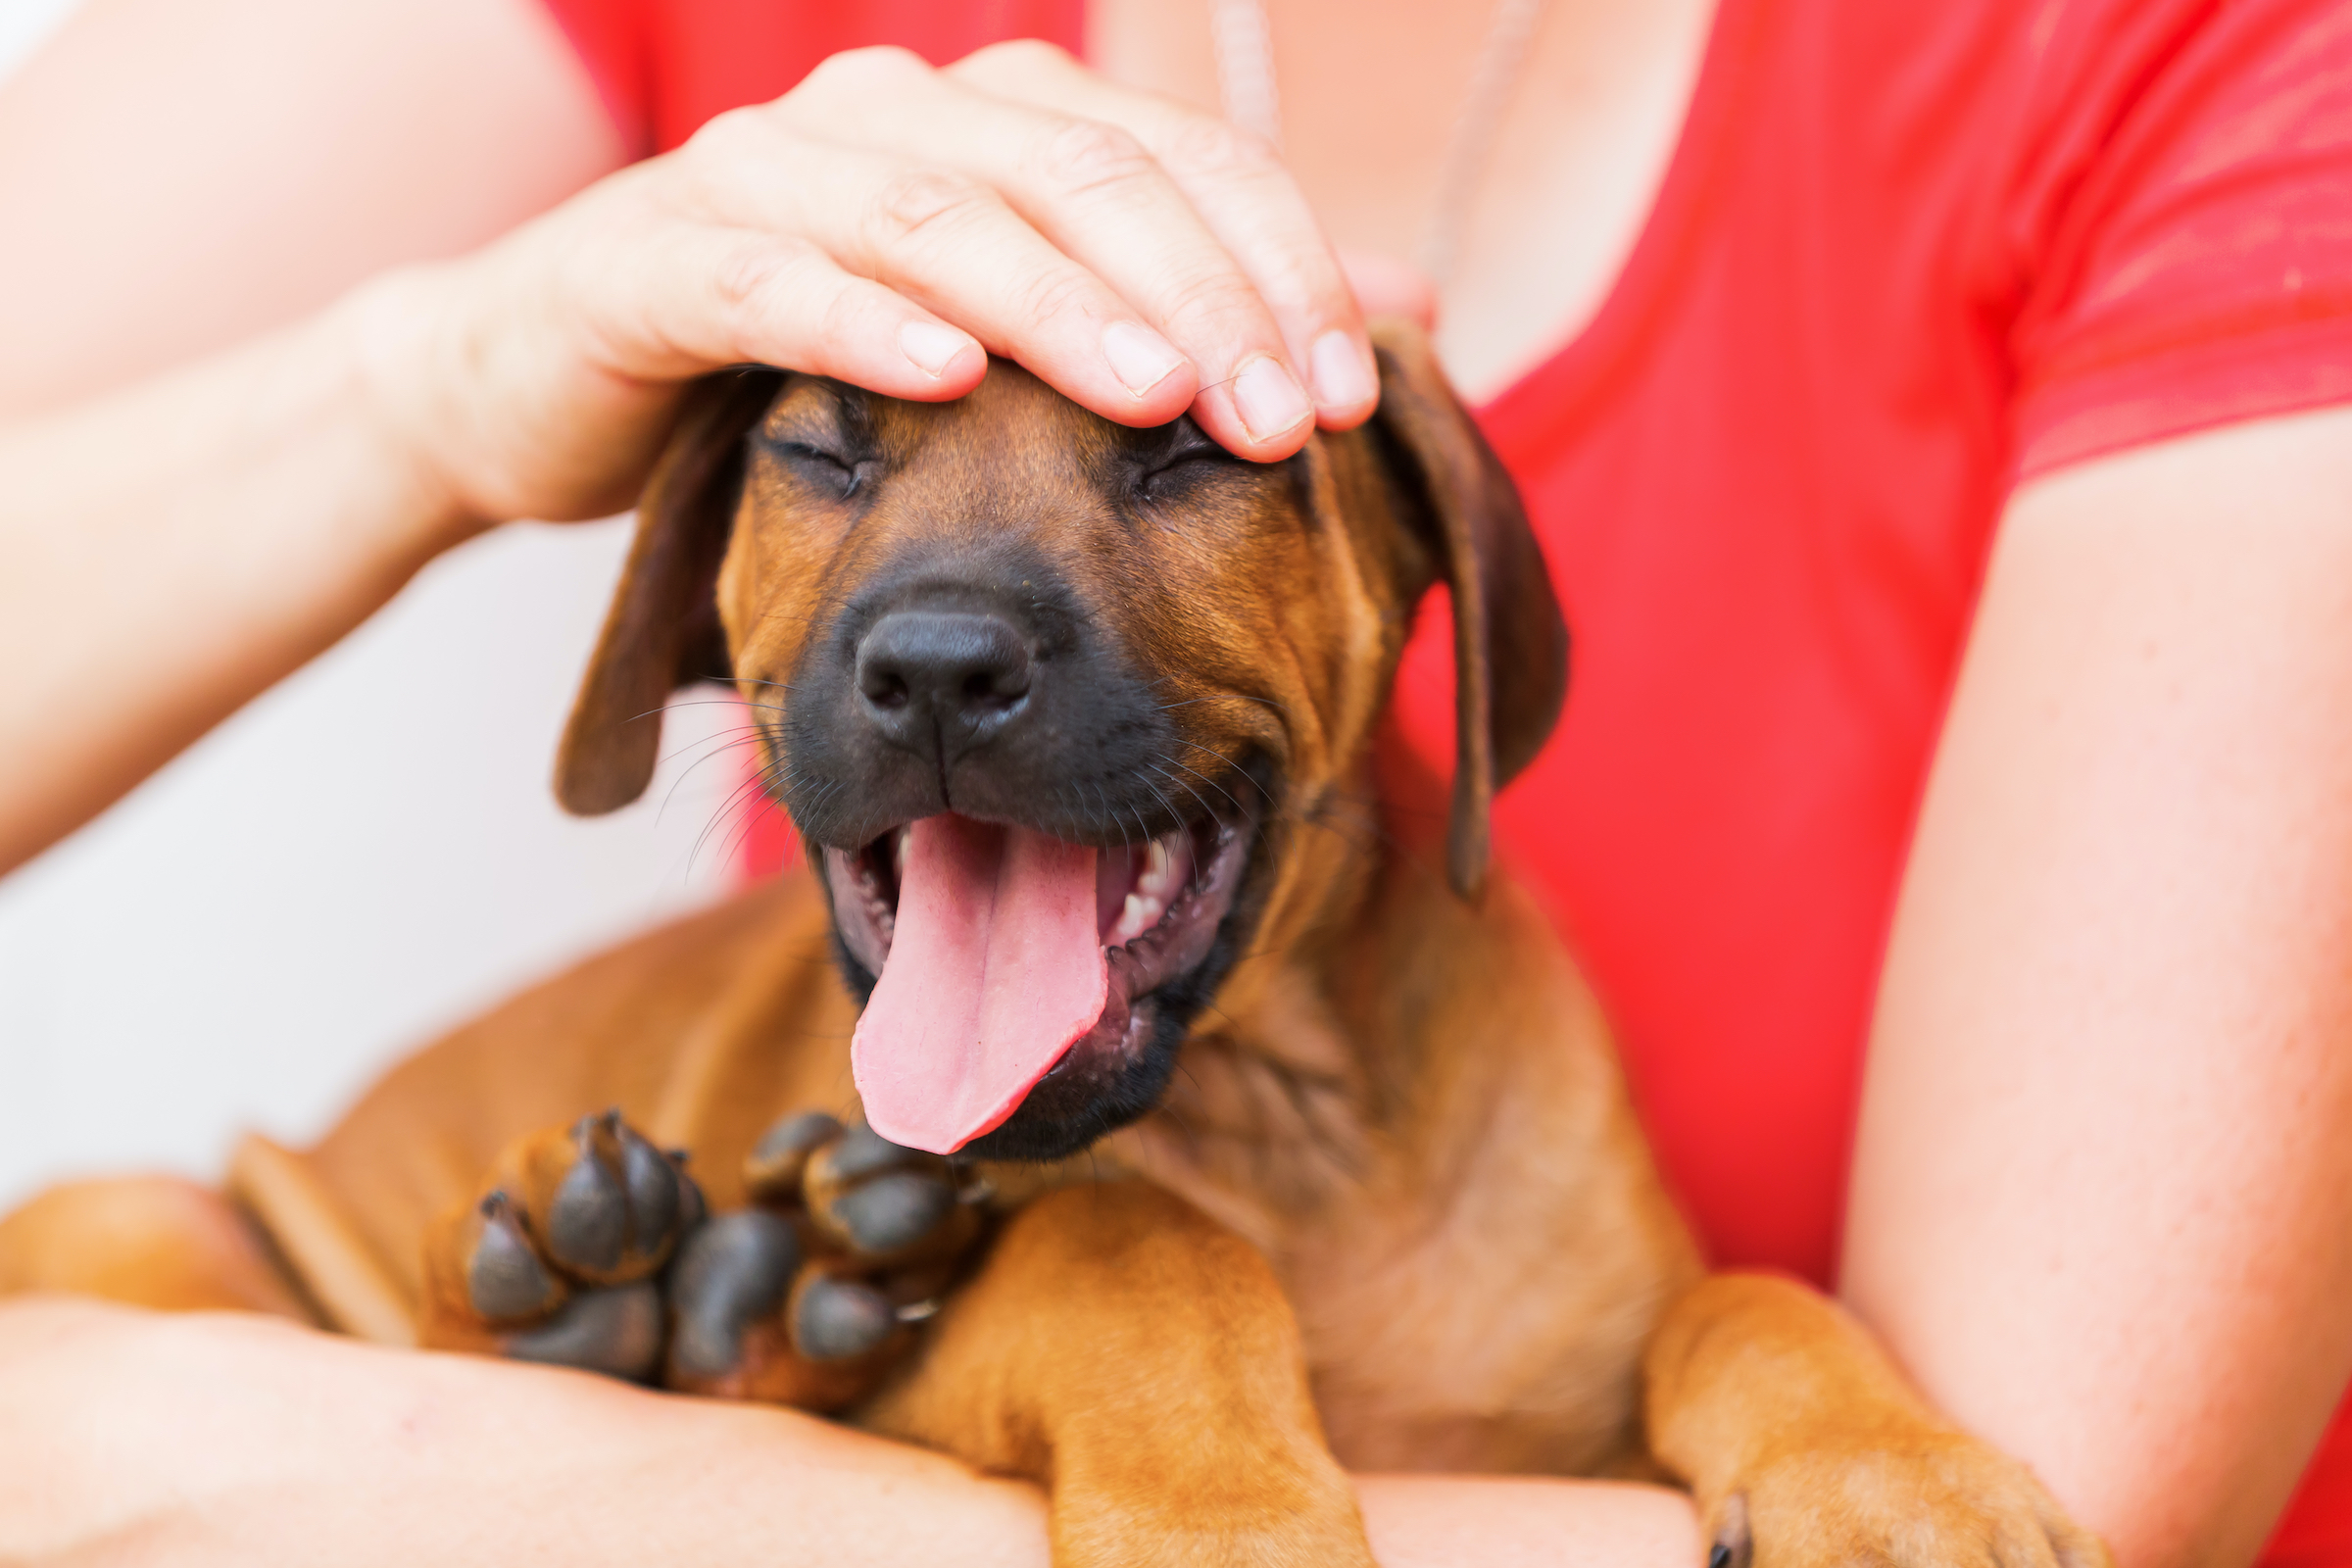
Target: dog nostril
[989, 687]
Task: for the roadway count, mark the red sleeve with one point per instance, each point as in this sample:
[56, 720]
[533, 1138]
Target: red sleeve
[665, 66]
[2187, 202]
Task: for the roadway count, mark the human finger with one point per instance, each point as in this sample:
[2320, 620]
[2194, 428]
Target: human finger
[670, 299]
[1098, 195]
[483, 363]
[952, 244]
[1243, 193]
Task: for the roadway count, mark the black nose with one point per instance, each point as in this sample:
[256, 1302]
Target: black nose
[931, 677]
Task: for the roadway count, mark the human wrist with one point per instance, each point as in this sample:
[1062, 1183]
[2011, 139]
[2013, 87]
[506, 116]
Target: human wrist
[389, 333]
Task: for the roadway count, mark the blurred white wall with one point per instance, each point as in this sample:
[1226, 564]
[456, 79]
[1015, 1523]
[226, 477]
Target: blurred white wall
[361, 857]
[23, 24]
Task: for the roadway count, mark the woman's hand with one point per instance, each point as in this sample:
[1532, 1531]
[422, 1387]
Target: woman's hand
[890, 225]
[885, 222]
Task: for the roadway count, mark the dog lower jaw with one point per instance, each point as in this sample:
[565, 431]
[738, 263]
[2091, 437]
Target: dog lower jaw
[1157, 977]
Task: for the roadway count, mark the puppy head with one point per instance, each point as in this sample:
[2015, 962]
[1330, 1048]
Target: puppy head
[1049, 700]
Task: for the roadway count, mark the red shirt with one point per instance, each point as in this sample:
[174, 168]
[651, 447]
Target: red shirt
[1905, 255]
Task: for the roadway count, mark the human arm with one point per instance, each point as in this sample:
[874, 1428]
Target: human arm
[531, 377]
[232, 1439]
[2102, 1204]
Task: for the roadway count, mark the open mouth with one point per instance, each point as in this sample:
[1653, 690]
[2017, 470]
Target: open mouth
[1006, 956]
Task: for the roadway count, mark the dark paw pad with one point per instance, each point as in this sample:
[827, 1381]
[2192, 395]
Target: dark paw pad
[772, 1171]
[835, 1319]
[883, 1202]
[892, 1211]
[504, 1280]
[862, 1152]
[617, 1212]
[616, 1331]
[730, 1274]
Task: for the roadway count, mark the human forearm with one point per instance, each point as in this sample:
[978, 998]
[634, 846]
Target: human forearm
[174, 547]
[199, 1439]
[127, 1435]
[2102, 1201]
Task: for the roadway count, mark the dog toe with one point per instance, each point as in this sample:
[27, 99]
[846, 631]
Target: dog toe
[772, 1171]
[1931, 1498]
[612, 1201]
[862, 1152]
[894, 1212]
[565, 1211]
[838, 1320]
[729, 1275]
[884, 1204]
[504, 1280]
[616, 1331]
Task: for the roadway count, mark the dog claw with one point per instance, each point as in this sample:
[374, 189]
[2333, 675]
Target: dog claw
[836, 1320]
[1734, 1547]
[616, 1331]
[729, 1274]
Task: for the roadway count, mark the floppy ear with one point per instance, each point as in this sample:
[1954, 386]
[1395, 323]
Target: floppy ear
[1510, 646]
[662, 631]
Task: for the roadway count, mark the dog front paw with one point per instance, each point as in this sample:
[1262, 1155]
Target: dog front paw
[1930, 1498]
[557, 1259]
[589, 1247]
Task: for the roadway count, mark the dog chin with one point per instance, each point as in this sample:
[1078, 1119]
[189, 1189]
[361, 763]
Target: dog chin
[1160, 978]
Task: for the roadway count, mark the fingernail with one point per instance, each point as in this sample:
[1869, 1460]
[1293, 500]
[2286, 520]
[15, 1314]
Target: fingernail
[931, 346]
[1269, 401]
[1342, 379]
[1139, 357]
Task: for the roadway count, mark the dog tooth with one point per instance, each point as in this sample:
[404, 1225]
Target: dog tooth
[1139, 914]
[1155, 862]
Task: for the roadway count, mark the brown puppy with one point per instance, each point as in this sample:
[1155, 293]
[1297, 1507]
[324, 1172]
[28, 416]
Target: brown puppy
[1301, 1147]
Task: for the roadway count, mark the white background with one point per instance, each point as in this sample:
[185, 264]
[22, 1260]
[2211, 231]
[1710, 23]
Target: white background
[363, 856]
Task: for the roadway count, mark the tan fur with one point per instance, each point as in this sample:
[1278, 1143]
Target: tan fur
[1394, 1211]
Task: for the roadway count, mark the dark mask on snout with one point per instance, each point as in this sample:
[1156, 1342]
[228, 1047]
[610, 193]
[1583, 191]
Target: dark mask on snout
[1049, 700]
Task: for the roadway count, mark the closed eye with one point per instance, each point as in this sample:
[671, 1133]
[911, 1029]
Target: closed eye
[1186, 455]
[820, 467]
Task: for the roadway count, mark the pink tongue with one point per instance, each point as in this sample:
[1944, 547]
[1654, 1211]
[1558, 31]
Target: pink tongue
[995, 970]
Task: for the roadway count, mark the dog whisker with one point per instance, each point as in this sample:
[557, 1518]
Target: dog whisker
[1232, 697]
[1220, 756]
[1170, 806]
[1239, 809]
[716, 747]
[733, 805]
